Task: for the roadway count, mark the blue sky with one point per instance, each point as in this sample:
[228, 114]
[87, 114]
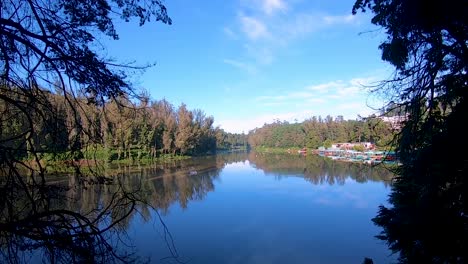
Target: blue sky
[250, 62]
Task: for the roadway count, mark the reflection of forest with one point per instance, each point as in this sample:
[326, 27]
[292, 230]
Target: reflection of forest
[161, 185]
[318, 170]
[73, 220]
[157, 186]
[141, 190]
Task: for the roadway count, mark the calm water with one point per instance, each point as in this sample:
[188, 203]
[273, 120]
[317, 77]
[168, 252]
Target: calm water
[252, 208]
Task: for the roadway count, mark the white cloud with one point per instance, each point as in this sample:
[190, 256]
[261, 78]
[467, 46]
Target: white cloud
[300, 25]
[247, 124]
[249, 68]
[347, 98]
[315, 100]
[266, 7]
[264, 35]
[314, 105]
[288, 99]
[303, 24]
[348, 90]
[348, 106]
[285, 98]
[320, 93]
[359, 108]
[355, 86]
[271, 6]
[324, 87]
[253, 28]
[343, 19]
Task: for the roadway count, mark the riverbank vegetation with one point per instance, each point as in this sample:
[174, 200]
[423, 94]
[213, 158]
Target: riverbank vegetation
[115, 130]
[317, 131]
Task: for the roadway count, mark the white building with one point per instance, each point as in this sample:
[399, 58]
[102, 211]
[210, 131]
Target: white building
[395, 121]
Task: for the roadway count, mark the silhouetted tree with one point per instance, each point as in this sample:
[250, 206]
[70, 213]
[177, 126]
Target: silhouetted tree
[47, 50]
[427, 44]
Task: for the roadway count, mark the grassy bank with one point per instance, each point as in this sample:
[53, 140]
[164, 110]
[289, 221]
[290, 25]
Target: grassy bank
[88, 159]
[292, 150]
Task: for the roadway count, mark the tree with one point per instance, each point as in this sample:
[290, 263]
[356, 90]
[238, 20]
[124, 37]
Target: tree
[185, 128]
[47, 46]
[427, 44]
[204, 135]
[46, 49]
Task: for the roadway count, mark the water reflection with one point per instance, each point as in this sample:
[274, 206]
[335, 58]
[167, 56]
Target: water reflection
[158, 185]
[82, 222]
[319, 170]
[88, 223]
[41, 222]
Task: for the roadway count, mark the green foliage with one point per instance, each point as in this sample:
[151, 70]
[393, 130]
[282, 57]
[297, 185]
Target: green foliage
[358, 148]
[119, 130]
[316, 132]
[327, 143]
[273, 150]
[427, 44]
[278, 135]
[230, 141]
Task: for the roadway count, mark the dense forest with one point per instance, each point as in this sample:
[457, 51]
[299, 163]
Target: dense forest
[120, 128]
[144, 128]
[318, 131]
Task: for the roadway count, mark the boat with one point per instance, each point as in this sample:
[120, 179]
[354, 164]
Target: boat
[302, 151]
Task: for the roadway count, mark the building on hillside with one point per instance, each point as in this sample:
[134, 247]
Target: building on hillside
[396, 121]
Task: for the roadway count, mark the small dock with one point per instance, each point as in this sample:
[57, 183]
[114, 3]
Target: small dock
[368, 157]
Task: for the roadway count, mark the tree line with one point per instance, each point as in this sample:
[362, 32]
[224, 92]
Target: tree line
[142, 128]
[317, 131]
[128, 129]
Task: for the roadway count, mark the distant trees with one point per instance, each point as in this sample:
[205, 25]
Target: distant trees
[427, 43]
[144, 129]
[315, 132]
[228, 141]
[278, 134]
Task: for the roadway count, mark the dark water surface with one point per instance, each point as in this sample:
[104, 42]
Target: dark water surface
[252, 208]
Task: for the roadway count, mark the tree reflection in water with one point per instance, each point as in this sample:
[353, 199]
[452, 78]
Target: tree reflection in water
[69, 220]
[75, 221]
[43, 222]
[320, 170]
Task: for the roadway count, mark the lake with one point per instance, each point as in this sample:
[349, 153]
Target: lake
[248, 208]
